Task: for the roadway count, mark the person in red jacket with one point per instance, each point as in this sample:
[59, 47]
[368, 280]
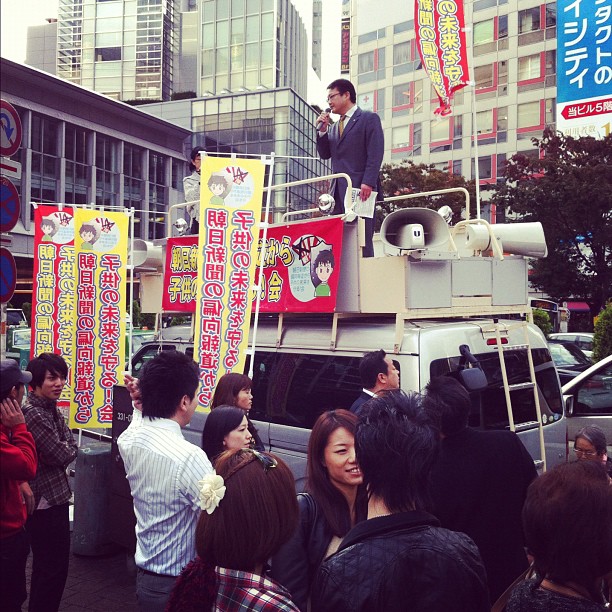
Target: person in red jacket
[19, 462]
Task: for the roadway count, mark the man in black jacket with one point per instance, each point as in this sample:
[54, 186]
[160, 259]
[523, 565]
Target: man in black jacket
[479, 483]
[378, 373]
[400, 559]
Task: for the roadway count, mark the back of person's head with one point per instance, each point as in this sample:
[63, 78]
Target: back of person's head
[219, 423]
[595, 435]
[228, 387]
[567, 519]
[448, 404]
[344, 85]
[371, 365]
[329, 498]
[165, 380]
[46, 362]
[257, 515]
[396, 447]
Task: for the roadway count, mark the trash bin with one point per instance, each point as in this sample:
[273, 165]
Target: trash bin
[90, 534]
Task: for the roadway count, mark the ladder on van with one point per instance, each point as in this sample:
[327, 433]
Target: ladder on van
[532, 384]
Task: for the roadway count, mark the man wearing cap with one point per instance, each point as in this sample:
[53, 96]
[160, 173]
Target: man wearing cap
[49, 525]
[18, 461]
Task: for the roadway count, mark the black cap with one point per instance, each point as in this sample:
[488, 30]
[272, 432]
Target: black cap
[11, 375]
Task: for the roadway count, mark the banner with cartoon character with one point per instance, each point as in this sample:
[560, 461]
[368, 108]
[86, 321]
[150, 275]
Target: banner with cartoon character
[302, 266]
[101, 249]
[54, 284]
[230, 211]
[180, 274]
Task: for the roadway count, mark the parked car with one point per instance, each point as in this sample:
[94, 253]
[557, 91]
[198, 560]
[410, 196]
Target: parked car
[568, 359]
[583, 340]
[588, 400]
[15, 316]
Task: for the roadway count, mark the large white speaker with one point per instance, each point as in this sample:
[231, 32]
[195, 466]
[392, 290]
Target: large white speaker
[415, 229]
[147, 255]
[516, 238]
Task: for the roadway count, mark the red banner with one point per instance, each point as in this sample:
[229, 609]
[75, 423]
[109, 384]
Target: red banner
[302, 267]
[180, 274]
[441, 41]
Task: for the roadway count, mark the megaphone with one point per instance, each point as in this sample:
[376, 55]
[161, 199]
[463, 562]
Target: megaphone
[411, 229]
[516, 238]
[147, 255]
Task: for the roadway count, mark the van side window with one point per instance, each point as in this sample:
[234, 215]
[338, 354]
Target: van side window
[489, 407]
[147, 353]
[294, 389]
[594, 396]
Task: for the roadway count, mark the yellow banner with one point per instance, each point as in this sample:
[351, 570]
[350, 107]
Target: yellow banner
[230, 210]
[101, 246]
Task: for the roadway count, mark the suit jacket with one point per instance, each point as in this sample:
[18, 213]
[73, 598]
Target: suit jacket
[358, 153]
[479, 485]
[360, 401]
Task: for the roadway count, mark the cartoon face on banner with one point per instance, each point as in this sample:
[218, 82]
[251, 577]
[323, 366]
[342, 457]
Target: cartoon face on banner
[311, 270]
[99, 234]
[57, 227]
[232, 186]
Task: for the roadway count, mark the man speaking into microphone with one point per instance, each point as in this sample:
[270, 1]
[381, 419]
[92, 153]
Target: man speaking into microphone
[355, 145]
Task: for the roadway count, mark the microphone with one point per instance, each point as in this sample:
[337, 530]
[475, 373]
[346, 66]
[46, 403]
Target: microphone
[320, 123]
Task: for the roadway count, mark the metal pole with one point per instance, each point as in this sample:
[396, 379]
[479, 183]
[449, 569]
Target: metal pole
[470, 29]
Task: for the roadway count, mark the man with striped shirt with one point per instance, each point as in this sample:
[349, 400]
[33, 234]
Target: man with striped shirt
[163, 470]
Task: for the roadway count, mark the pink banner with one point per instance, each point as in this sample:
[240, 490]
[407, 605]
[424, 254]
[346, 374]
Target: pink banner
[441, 41]
[180, 274]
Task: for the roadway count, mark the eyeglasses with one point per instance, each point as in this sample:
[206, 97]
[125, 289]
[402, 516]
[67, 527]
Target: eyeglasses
[586, 453]
[266, 461]
[330, 98]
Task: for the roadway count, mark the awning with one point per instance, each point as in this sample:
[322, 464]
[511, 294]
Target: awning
[578, 307]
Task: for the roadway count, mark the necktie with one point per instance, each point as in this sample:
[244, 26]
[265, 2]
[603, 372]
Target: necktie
[341, 126]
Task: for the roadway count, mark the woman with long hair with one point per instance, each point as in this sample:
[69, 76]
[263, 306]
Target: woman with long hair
[235, 390]
[226, 428]
[335, 501]
[249, 511]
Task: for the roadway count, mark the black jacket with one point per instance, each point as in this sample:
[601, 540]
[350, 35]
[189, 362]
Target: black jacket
[401, 563]
[360, 401]
[296, 563]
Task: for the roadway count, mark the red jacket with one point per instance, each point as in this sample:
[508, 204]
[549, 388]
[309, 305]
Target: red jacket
[17, 463]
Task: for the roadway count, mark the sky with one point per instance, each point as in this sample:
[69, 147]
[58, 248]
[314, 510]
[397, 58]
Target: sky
[17, 15]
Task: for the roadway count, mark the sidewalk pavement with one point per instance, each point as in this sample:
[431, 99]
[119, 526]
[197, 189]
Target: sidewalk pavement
[106, 583]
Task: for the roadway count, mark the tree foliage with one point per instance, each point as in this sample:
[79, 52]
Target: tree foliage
[542, 319]
[602, 342]
[568, 188]
[408, 177]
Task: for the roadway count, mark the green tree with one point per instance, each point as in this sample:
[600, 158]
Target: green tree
[542, 320]
[602, 342]
[567, 186]
[408, 177]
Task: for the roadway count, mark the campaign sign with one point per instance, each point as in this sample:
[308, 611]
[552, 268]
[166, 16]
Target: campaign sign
[180, 274]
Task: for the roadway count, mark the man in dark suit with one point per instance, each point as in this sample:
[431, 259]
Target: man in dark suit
[355, 144]
[479, 483]
[378, 373]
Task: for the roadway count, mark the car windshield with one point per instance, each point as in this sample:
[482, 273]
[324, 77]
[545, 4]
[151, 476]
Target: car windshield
[21, 337]
[567, 355]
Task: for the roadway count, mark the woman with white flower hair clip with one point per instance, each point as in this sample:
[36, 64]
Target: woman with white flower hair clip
[249, 511]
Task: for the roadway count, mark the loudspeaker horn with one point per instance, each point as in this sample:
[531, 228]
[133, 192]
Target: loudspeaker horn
[517, 238]
[147, 255]
[415, 229]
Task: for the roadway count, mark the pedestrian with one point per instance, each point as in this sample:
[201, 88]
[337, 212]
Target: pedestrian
[163, 470]
[355, 145]
[249, 511]
[49, 492]
[399, 559]
[234, 389]
[568, 527]
[334, 503]
[226, 428]
[479, 483]
[191, 188]
[18, 461]
[378, 373]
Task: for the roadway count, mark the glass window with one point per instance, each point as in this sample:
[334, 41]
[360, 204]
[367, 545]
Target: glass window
[109, 54]
[484, 32]
[550, 110]
[267, 26]
[401, 53]
[502, 72]
[401, 136]
[365, 62]
[529, 67]
[528, 114]
[401, 95]
[484, 121]
[222, 33]
[551, 62]
[502, 119]
[529, 20]
[551, 14]
[439, 130]
[483, 76]
[502, 26]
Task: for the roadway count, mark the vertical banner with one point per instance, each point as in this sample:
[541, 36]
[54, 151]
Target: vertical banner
[101, 248]
[345, 46]
[180, 274]
[440, 38]
[230, 209]
[584, 68]
[54, 284]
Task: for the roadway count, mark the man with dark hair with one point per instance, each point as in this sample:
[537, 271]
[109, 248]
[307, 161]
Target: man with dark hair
[18, 462]
[399, 558]
[355, 145]
[163, 470]
[479, 483]
[378, 373]
[49, 492]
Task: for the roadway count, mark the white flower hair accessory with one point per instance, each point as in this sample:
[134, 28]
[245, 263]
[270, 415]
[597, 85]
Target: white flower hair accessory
[212, 491]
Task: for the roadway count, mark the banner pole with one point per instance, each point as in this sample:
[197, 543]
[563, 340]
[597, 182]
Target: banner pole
[262, 259]
[474, 120]
[131, 269]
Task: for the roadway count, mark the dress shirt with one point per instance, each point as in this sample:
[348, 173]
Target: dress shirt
[163, 470]
[347, 117]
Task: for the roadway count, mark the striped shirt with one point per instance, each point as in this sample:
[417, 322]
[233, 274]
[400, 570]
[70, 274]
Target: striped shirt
[163, 470]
